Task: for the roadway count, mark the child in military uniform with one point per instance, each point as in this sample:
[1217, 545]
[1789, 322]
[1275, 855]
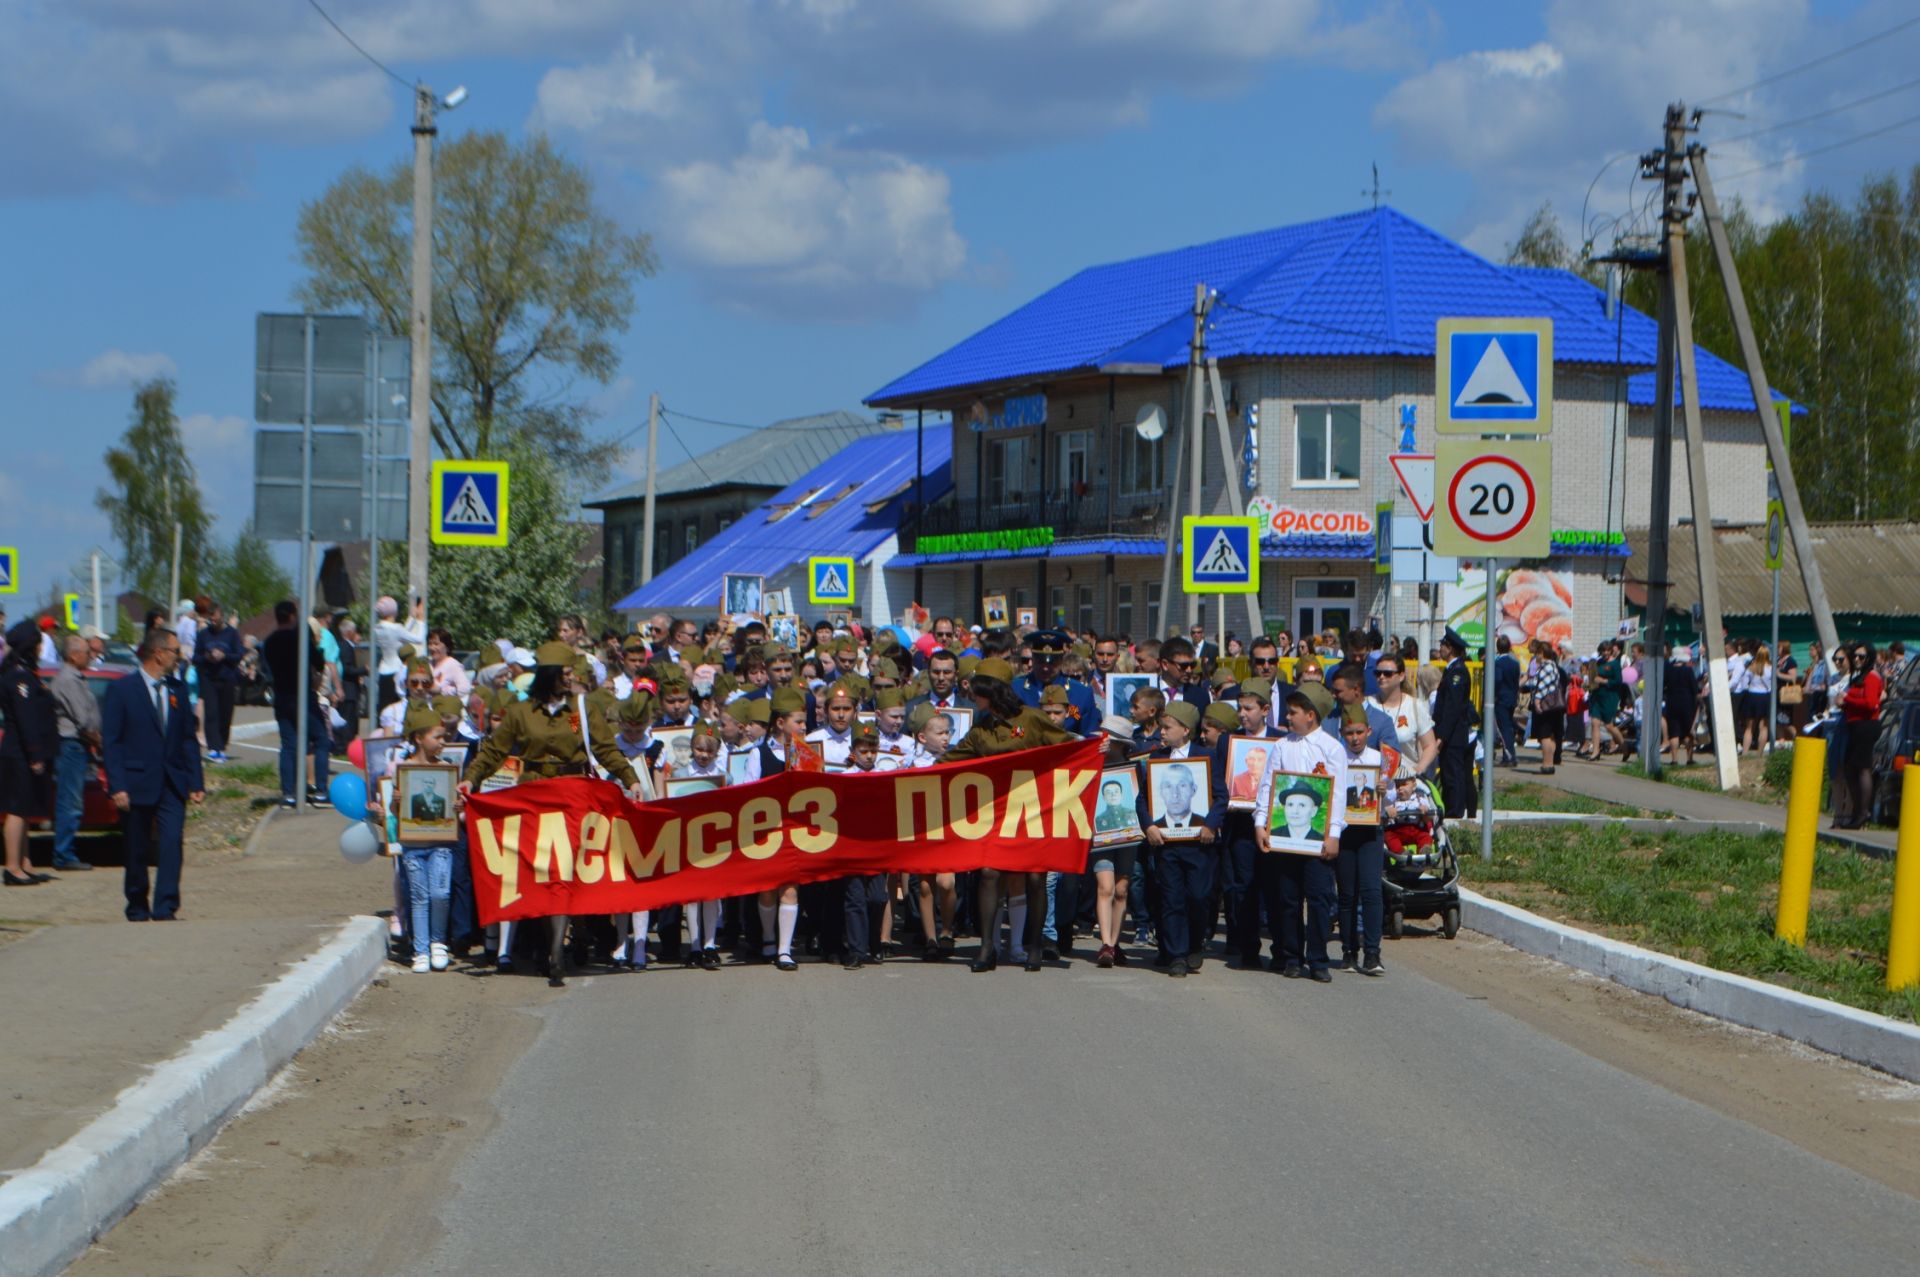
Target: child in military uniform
[864, 896]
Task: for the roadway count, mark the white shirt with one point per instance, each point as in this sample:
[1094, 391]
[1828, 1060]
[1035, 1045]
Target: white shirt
[834, 746]
[1410, 722]
[389, 637]
[1316, 753]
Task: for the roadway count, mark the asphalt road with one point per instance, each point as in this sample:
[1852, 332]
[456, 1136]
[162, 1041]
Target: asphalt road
[913, 1119]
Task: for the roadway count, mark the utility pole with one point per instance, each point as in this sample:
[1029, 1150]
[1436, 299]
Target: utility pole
[420, 396]
[1666, 165]
[1196, 375]
[646, 514]
[100, 604]
[1789, 487]
[303, 687]
[1230, 502]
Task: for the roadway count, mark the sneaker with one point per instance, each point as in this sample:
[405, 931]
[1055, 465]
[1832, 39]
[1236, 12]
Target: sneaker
[216, 756]
[1370, 965]
[72, 866]
[318, 800]
[1322, 976]
[1105, 957]
[289, 804]
[1178, 969]
[438, 954]
[422, 964]
[1293, 970]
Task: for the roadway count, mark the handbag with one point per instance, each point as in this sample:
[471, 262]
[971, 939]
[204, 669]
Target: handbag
[1792, 694]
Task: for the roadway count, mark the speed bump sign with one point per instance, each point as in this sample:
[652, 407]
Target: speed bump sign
[1493, 497]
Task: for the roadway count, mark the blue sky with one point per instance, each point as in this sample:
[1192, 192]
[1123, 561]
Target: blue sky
[839, 188]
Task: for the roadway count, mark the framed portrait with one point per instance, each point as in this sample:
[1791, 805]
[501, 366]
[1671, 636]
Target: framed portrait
[737, 761]
[890, 763]
[962, 721]
[840, 618]
[1298, 822]
[1115, 817]
[866, 716]
[1179, 795]
[1120, 690]
[741, 592]
[681, 786]
[379, 752]
[456, 756]
[676, 748]
[1246, 764]
[1026, 618]
[426, 794]
[784, 628]
[388, 830]
[777, 601]
[1363, 795]
[993, 611]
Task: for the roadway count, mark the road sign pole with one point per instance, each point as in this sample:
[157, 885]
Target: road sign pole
[1773, 671]
[1486, 720]
[303, 687]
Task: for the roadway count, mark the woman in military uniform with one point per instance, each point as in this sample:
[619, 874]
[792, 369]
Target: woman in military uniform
[1003, 724]
[552, 732]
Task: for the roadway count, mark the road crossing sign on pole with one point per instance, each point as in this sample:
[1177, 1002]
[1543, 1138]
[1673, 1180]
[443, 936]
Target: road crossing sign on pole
[830, 581]
[70, 610]
[469, 503]
[1220, 554]
[1493, 376]
[1494, 497]
[9, 570]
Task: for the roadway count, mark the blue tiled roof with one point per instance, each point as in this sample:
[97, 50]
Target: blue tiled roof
[880, 465]
[1317, 545]
[1370, 283]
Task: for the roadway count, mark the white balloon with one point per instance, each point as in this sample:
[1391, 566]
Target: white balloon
[358, 843]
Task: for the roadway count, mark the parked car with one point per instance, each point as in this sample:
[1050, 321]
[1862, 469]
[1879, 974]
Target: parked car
[1899, 745]
[97, 812]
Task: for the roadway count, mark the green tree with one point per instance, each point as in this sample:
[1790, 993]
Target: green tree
[1541, 243]
[531, 284]
[516, 591]
[245, 579]
[154, 487]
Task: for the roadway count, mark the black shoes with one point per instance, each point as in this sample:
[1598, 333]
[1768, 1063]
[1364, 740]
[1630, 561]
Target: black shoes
[1294, 970]
[71, 866]
[1178, 969]
[1034, 958]
[1370, 965]
[987, 961]
[13, 879]
[785, 962]
[853, 963]
[1194, 962]
[1322, 976]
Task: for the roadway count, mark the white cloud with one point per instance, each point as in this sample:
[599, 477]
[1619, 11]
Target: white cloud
[114, 369]
[626, 87]
[791, 226]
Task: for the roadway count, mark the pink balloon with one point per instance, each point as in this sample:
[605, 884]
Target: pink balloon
[357, 753]
[924, 645]
[1630, 676]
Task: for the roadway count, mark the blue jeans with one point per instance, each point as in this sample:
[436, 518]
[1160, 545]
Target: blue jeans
[429, 873]
[70, 781]
[318, 744]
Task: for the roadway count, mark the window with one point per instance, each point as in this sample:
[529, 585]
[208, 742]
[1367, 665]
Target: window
[1057, 614]
[1143, 464]
[1123, 608]
[1007, 470]
[693, 535]
[1070, 467]
[1326, 445]
[1086, 607]
[1153, 610]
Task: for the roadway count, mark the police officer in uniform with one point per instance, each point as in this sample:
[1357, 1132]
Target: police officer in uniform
[552, 733]
[1004, 725]
[1048, 646]
[1452, 721]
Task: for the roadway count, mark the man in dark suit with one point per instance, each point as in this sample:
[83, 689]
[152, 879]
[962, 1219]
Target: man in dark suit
[153, 771]
[1453, 724]
[1506, 697]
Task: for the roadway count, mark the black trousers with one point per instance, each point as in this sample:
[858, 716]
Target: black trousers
[1291, 881]
[154, 830]
[218, 696]
[1456, 780]
[1238, 863]
[864, 901]
[1186, 872]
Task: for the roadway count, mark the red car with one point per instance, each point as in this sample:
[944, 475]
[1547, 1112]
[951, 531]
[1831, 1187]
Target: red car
[97, 812]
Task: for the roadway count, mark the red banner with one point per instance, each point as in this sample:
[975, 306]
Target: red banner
[577, 846]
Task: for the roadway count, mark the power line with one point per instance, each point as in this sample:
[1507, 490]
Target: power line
[1821, 115]
[1822, 60]
[397, 79]
[683, 447]
[1822, 150]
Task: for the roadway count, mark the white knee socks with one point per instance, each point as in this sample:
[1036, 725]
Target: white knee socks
[789, 919]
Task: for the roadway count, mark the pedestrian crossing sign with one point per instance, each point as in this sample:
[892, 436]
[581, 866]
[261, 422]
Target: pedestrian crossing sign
[70, 605]
[9, 570]
[1220, 554]
[830, 581]
[469, 503]
[1493, 376]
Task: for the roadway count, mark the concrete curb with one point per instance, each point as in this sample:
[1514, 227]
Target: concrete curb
[52, 1211]
[252, 731]
[1860, 1036]
[1638, 824]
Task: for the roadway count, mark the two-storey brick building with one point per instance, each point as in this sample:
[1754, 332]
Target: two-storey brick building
[1324, 335]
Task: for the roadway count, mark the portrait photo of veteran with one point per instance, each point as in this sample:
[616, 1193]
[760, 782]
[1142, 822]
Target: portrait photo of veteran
[149, 744]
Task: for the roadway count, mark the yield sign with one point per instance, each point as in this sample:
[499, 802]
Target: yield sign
[1416, 480]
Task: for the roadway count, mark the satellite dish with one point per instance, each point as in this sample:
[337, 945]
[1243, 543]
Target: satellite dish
[1151, 423]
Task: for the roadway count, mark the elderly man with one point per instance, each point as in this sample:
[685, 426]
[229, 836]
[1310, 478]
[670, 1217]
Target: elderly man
[389, 636]
[77, 716]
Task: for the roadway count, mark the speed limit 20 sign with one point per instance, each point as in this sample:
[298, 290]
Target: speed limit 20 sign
[1493, 498]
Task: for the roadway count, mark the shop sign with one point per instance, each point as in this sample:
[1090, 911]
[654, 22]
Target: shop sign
[1022, 412]
[1282, 522]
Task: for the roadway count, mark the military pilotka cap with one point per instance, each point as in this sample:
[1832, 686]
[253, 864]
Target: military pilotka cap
[844, 688]
[1261, 689]
[889, 698]
[994, 667]
[866, 734]
[1354, 713]
[923, 713]
[636, 709]
[1184, 714]
[447, 706]
[1223, 677]
[1055, 695]
[968, 666]
[1221, 714]
[705, 729]
[553, 652]
[753, 709]
[788, 700]
[1321, 698]
[421, 718]
[633, 643]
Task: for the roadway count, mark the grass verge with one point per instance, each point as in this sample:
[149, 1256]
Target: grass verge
[1525, 795]
[1709, 898]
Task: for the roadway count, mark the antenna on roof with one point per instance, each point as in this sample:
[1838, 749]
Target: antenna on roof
[1376, 192]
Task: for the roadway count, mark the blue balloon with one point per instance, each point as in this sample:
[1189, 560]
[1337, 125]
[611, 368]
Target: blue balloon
[348, 793]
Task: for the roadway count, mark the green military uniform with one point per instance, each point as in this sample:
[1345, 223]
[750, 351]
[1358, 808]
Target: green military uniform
[549, 743]
[1029, 729]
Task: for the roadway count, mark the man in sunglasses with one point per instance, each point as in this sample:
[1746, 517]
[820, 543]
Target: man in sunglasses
[1263, 660]
[1046, 648]
[1181, 673]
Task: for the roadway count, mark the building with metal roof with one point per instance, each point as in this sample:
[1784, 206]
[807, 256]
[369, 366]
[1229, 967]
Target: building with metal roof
[852, 504]
[1324, 334]
[695, 500]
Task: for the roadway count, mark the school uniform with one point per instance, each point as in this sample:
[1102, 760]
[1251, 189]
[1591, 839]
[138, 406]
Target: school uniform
[1357, 878]
[1184, 869]
[1289, 880]
[1239, 870]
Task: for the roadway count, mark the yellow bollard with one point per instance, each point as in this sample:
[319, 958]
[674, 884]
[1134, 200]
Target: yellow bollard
[1796, 857]
[1903, 946]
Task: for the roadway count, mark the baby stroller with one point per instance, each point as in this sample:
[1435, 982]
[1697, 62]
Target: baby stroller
[1423, 881]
